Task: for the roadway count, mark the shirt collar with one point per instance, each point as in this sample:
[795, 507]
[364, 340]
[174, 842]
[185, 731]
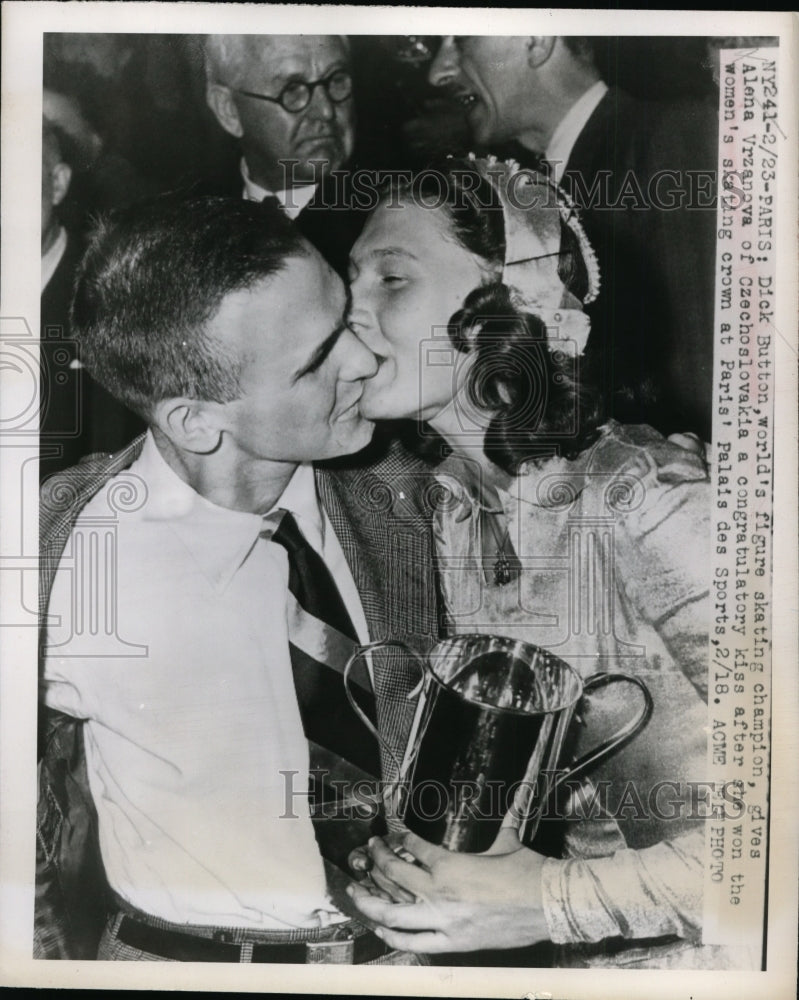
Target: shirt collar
[292, 200]
[571, 125]
[536, 484]
[300, 498]
[52, 258]
[218, 539]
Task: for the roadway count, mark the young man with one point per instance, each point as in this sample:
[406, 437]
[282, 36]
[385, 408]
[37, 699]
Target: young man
[233, 584]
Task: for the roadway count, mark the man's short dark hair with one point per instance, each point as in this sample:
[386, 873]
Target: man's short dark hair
[152, 277]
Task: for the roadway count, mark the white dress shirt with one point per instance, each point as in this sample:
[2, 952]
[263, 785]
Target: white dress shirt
[186, 741]
[571, 125]
[292, 200]
[52, 258]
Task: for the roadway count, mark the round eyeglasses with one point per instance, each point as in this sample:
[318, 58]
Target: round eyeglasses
[297, 95]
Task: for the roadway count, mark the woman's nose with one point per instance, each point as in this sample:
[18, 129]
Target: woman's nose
[444, 68]
[363, 323]
[361, 318]
[359, 360]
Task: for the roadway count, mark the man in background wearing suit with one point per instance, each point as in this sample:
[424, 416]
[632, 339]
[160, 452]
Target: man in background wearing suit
[643, 175]
[200, 755]
[288, 100]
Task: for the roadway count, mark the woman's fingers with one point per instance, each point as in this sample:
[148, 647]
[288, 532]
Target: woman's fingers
[424, 942]
[389, 888]
[360, 860]
[400, 916]
[688, 441]
[424, 852]
[387, 865]
[376, 890]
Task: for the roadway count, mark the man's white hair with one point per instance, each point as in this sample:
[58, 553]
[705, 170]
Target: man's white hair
[227, 56]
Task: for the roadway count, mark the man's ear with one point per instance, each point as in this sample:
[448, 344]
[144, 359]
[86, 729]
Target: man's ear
[61, 175]
[539, 49]
[189, 424]
[220, 101]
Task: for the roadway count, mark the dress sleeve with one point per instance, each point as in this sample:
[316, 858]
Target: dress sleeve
[666, 557]
[646, 893]
[664, 563]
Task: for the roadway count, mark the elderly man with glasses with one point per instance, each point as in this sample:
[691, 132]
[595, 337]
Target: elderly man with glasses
[288, 100]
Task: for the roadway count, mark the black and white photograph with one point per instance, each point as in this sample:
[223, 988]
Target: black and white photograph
[399, 492]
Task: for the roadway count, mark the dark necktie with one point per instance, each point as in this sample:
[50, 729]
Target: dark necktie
[321, 640]
[272, 203]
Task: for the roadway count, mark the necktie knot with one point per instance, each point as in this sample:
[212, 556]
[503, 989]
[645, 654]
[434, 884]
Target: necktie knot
[281, 527]
[310, 581]
[272, 204]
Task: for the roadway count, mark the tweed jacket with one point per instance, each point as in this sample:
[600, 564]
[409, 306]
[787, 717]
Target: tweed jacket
[378, 511]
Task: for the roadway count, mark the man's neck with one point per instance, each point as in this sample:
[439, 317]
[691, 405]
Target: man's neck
[254, 486]
[274, 177]
[50, 236]
[558, 105]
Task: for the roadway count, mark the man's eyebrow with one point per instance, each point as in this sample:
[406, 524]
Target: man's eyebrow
[290, 73]
[394, 252]
[317, 359]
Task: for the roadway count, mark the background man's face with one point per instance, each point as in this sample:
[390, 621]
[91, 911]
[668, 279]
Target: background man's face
[322, 131]
[302, 368]
[50, 157]
[56, 176]
[490, 76]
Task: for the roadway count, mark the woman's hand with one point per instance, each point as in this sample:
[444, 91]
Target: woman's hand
[691, 443]
[451, 902]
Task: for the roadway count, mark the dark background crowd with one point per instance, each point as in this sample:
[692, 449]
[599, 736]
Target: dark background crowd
[128, 116]
[143, 96]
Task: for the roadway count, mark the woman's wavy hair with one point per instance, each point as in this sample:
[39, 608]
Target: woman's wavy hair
[543, 401]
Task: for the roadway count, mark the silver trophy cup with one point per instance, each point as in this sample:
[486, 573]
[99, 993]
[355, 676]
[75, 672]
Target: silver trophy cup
[487, 741]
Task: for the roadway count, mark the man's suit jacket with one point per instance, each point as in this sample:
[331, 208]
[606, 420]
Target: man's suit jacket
[331, 221]
[380, 515]
[654, 314]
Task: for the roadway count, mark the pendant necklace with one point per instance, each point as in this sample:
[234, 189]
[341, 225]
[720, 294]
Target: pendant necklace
[503, 569]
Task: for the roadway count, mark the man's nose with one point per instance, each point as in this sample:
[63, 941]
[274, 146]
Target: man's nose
[321, 105]
[357, 360]
[446, 65]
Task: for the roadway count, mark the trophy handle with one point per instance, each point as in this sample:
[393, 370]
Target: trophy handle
[356, 656]
[621, 736]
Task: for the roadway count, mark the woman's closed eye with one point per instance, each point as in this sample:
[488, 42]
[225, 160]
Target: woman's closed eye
[393, 280]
